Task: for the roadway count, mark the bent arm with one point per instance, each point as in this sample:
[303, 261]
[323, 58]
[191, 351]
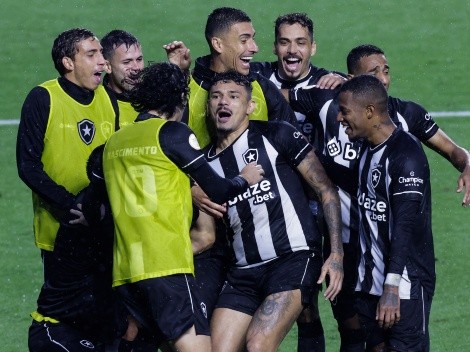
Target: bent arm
[458, 157]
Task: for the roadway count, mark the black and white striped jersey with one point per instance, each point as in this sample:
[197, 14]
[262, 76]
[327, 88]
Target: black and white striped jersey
[270, 71]
[272, 217]
[394, 197]
[340, 153]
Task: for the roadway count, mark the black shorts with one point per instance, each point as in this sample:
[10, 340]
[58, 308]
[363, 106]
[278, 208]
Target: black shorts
[60, 337]
[246, 289]
[165, 306]
[210, 272]
[409, 334]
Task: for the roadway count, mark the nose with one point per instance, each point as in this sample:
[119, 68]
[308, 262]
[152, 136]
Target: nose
[253, 47]
[101, 60]
[292, 48]
[384, 78]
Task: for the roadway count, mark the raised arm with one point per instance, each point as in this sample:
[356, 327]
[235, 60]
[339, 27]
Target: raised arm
[178, 54]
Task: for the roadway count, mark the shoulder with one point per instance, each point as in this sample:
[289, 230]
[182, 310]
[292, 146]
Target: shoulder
[264, 68]
[406, 108]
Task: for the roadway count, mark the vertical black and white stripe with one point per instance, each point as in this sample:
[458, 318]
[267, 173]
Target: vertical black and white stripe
[272, 218]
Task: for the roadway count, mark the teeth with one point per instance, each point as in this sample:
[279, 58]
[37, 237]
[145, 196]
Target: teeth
[247, 58]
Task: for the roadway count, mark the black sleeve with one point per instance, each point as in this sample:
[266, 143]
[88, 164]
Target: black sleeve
[278, 107]
[289, 142]
[309, 100]
[180, 145]
[410, 175]
[29, 149]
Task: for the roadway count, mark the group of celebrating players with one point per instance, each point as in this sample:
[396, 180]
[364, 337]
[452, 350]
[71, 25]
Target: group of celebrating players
[202, 210]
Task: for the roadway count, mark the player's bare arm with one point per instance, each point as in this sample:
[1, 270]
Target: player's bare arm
[204, 203]
[388, 308]
[202, 233]
[178, 54]
[458, 156]
[313, 172]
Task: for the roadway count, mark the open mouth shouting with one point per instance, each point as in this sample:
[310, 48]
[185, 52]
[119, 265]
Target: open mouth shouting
[292, 63]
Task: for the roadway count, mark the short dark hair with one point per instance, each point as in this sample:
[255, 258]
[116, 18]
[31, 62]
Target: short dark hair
[367, 88]
[221, 19]
[233, 76]
[357, 53]
[65, 45]
[293, 18]
[115, 39]
[162, 86]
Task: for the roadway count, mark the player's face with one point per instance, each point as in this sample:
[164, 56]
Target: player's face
[229, 106]
[124, 62]
[86, 67]
[237, 47]
[293, 49]
[375, 65]
[352, 116]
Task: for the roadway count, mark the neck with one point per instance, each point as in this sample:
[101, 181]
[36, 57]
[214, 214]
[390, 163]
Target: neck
[381, 131]
[227, 138]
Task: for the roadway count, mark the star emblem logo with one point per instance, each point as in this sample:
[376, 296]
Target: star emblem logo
[86, 131]
[250, 155]
[87, 344]
[375, 177]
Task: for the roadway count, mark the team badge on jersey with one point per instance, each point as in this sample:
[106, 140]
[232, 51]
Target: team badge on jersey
[87, 344]
[250, 155]
[86, 130]
[375, 177]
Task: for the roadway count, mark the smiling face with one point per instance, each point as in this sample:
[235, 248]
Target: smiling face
[375, 65]
[235, 48]
[124, 62]
[353, 115]
[293, 48]
[87, 65]
[229, 106]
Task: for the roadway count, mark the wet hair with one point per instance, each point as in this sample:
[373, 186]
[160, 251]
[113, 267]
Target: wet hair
[65, 45]
[162, 87]
[368, 89]
[357, 53]
[293, 18]
[221, 19]
[115, 39]
[233, 76]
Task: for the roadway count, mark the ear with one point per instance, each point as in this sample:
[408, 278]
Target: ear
[274, 48]
[217, 45]
[107, 67]
[314, 48]
[350, 76]
[68, 63]
[251, 107]
[370, 110]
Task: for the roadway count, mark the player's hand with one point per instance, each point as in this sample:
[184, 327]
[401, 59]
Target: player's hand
[252, 172]
[333, 267]
[178, 54]
[330, 81]
[388, 308]
[80, 218]
[203, 202]
[464, 182]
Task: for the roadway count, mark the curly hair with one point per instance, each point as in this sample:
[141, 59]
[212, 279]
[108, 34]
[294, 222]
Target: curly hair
[293, 18]
[233, 76]
[65, 45]
[115, 39]
[357, 53]
[162, 87]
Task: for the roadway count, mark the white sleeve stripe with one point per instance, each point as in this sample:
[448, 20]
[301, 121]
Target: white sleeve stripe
[429, 129]
[301, 151]
[192, 162]
[395, 194]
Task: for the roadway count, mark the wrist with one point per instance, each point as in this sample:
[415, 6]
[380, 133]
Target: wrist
[393, 279]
